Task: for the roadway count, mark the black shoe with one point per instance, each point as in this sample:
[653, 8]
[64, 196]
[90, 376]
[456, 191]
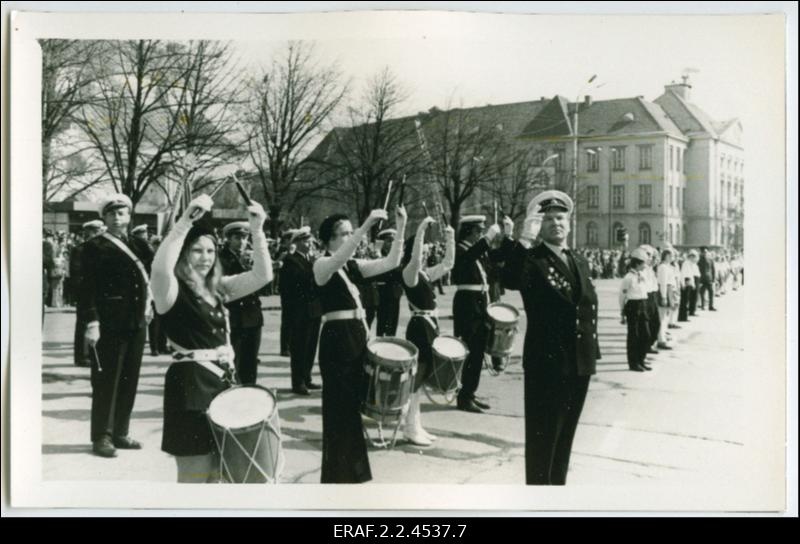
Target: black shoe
[469, 406]
[664, 345]
[499, 368]
[127, 443]
[104, 447]
[481, 404]
[712, 309]
[301, 390]
[671, 326]
[651, 350]
[636, 368]
[313, 386]
[645, 367]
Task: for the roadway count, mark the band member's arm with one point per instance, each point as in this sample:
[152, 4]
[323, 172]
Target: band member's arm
[88, 292]
[326, 267]
[163, 283]
[441, 269]
[261, 274]
[411, 271]
[392, 260]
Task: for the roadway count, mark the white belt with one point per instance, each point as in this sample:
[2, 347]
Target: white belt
[206, 358]
[478, 288]
[425, 313]
[344, 314]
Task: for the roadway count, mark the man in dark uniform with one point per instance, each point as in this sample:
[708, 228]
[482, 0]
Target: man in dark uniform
[708, 274]
[115, 304]
[90, 230]
[471, 323]
[390, 289]
[245, 316]
[561, 346]
[298, 296]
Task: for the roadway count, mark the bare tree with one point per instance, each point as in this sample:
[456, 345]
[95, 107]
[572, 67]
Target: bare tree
[465, 151]
[374, 149]
[65, 74]
[153, 102]
[514, 184]
[289, 105]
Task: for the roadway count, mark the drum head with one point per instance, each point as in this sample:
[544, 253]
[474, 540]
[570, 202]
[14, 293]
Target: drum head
[241, 407]
[393, 351]
[503, 313]
[450, 347]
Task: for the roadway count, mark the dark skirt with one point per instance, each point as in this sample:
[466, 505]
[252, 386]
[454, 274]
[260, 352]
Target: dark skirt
[420, 333]
[344, 447]
[188, 391]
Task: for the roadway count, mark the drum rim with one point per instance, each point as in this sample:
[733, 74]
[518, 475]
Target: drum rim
[449, 358]
[397, 363]
[504, 305]
[254, 426]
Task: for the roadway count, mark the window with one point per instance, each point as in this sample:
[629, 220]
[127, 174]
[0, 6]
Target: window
[618, 196]
[645, 196]
[617, 234]
[671, 204]
[677, 234]
[592, 161]
[591, 233]
[684, 161]
[618, 154]
[680, 160]
[645, 157]
[593, 196]
[558, 161]
[683, 200]
[722, 162]
[644, 233]
[670, 239]
[671, 158]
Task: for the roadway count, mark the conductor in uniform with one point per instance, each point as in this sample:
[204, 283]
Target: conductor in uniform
[470, 320]
[303, 311]
[390, 290]
[115, 304]
[561, 346]
[245, 316]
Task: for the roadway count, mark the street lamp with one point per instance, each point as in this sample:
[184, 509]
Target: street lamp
[574, 225]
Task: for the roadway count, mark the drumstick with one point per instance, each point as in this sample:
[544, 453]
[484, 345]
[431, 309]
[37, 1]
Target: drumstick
[495, 211]
[242, 191]
[199, 211]
[386, 202]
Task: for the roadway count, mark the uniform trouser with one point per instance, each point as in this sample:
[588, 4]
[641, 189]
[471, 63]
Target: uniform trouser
[286, 329]
[707, 286]
[638, 340]
[388, 315]
[553, 407]
[665, 313]
[653, 316]
[303, 349]
[115, 380]
[81, 358]
[475, 339]
[246, 342]
[693, 294]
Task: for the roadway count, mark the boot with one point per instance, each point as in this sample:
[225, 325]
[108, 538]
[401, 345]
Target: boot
[412, 429]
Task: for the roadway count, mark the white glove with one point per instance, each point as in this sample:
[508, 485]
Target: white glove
[531, 227]
[508, 226]
[492, 233]
[92, 333]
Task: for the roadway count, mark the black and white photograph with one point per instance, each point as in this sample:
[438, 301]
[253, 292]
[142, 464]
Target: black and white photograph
[458, 259]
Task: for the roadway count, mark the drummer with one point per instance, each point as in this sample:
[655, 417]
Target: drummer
[423, 327]
[343, 341]
[470, 303]
[189, 291]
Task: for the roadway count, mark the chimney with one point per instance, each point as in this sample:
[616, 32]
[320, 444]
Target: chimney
[587, 100]
[681, 89]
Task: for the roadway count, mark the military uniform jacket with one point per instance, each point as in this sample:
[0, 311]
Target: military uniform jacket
[112, 289]
[470, 268]
[389, 284]
[561, 338]
[244, 312]
[297, 287]
[707, 268]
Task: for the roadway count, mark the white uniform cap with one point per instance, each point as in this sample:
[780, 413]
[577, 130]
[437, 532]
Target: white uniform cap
[387, 232]
[139, 228]
[117, 200]
[301, 233]
[94, 224]
[639, 253]
[472, 219]
[237, 227]
[550, 199]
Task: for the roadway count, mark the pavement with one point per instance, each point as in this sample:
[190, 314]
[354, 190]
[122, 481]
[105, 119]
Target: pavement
[676, 424]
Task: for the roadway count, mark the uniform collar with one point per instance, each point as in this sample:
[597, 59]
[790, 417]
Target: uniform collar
[558, 250]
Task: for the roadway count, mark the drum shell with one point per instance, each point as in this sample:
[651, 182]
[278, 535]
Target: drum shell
[501, 333]
[260, 445]
[386, 399]
[446, 370]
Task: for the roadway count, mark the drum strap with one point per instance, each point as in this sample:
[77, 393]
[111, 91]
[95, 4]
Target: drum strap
[217, 361]
[431, 316]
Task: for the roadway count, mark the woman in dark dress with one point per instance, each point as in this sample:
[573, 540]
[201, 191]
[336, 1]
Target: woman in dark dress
[343, 341]
[188, 292]
[423, 327]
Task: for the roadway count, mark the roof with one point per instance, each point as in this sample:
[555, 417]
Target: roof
[687, 116]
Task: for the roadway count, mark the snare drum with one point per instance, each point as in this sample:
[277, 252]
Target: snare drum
[504, 319]
[390, 369]
[449, 354]
[245, 425]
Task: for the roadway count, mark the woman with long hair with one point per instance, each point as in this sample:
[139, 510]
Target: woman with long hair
[189, 291]
[423, 327]
[343, 341]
